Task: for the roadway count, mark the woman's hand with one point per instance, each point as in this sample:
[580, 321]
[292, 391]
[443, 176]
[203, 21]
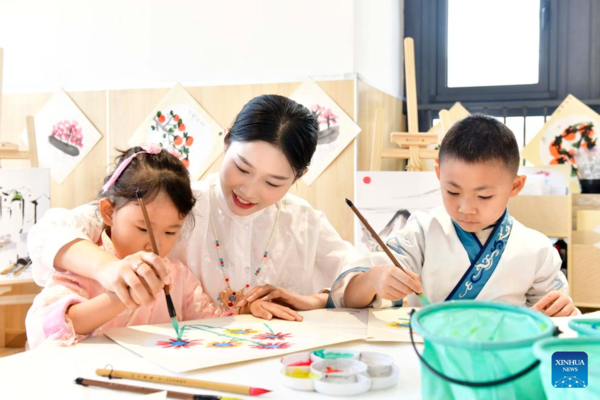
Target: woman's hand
[284, 297]
[267, 310]
[135, 279]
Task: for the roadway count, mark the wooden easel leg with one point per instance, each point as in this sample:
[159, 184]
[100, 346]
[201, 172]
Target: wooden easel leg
[2, 326]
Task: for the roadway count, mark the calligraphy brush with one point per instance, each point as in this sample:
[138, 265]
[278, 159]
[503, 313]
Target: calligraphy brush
[383, 246]
[170, 306]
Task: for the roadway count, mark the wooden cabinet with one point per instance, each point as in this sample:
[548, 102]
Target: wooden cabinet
[557, 217]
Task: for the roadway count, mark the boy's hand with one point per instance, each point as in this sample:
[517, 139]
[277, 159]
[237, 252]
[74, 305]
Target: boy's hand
[268, 310]
[135, 279]
[391, 283]
[284, 297]
[556, 304]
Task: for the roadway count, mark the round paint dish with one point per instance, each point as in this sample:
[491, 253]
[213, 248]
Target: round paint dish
[296, 372]
[334, 354]
[386, 381]
[339, 370]
[325, 385]
[378, 364]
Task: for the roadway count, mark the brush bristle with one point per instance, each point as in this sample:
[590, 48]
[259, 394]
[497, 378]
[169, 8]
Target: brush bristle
[257, 391]
[349, 203]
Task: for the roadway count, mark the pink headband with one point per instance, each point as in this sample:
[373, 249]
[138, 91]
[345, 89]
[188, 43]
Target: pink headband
[148, 148]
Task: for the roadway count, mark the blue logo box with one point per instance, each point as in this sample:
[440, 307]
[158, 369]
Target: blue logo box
[570, 369]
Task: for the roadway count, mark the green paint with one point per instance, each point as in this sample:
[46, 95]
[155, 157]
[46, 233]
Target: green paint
[424, 299]
[204, 328]
[331, 355]
[269, 328]
[543, 326]
[178, 331]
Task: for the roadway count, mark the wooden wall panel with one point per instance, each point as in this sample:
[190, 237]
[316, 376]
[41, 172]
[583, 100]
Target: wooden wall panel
[82, 184]
[369, 101]
[128, 108]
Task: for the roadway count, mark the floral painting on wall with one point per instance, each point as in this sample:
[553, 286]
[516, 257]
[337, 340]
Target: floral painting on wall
[64, 136]
[178, 122]
[336, 128]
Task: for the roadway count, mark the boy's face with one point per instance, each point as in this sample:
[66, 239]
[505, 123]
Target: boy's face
[475, 195]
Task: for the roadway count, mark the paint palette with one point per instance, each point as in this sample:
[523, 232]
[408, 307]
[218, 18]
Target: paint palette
[339, 372]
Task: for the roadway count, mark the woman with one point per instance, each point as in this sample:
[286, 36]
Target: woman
[249, 230]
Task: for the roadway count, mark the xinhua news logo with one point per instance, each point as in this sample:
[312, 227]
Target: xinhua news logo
[570, 369]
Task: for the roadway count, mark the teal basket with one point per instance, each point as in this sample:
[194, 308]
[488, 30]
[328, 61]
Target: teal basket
[544, 349]
[586, 327]
[480, 350]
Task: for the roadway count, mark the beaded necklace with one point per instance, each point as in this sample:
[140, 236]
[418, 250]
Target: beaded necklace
[228, 297]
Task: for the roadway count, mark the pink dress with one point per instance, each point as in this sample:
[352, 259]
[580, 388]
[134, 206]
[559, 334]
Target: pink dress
[47, 319]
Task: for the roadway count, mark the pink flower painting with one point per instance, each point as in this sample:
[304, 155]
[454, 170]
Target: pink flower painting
[325, 116]
[178, 343]
[67, 137]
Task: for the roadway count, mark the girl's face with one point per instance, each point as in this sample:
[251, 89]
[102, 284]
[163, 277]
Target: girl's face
[128, 228]
[254, 175]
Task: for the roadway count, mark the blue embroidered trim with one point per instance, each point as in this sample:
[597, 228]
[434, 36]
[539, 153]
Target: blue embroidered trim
[470, 242]
[482, 268]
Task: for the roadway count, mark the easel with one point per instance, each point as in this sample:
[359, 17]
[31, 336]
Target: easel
[11, 151]
[412, 144]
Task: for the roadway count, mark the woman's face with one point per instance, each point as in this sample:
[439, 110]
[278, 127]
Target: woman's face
[254, 175]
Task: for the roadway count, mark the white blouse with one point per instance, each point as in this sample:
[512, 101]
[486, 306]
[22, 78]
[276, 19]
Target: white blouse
[306, 253]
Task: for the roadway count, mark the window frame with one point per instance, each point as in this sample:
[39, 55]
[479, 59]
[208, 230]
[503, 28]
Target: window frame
[545, 88]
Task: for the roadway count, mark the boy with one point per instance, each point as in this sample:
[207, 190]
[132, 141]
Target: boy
[471, 248]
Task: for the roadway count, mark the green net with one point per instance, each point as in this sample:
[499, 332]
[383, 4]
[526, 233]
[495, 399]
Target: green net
[479, 343]
[586, 327]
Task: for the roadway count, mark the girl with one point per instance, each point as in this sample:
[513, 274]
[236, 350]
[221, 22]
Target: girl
[71, 307]
[249, 231]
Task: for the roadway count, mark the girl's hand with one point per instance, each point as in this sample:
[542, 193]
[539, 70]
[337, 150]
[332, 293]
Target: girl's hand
[391, 283]
[556, 304]
[138, 276]
[284, 297]
[267, 310]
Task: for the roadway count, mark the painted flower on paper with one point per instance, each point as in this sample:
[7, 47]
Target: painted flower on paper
[272, 336]
[272, 346]
[240, 331]
[178, 343]
[580, 136]
[325, 116]
[67, 137]
[224, 344]
[398, 325]
[174, 133]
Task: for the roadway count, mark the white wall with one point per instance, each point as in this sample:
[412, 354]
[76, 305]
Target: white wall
[117, 44]
[147, 43]
[378, 49]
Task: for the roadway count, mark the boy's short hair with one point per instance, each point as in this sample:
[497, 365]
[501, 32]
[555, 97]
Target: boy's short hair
[478, 139]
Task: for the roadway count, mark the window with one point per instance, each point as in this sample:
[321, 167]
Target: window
[494, 50]
[493, 43]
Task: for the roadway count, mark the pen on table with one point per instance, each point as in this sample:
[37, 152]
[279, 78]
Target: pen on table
[144, 390]
[170, 306]
[382, 245]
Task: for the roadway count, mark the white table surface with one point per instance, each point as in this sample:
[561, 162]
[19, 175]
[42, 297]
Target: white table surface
[49, 372]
